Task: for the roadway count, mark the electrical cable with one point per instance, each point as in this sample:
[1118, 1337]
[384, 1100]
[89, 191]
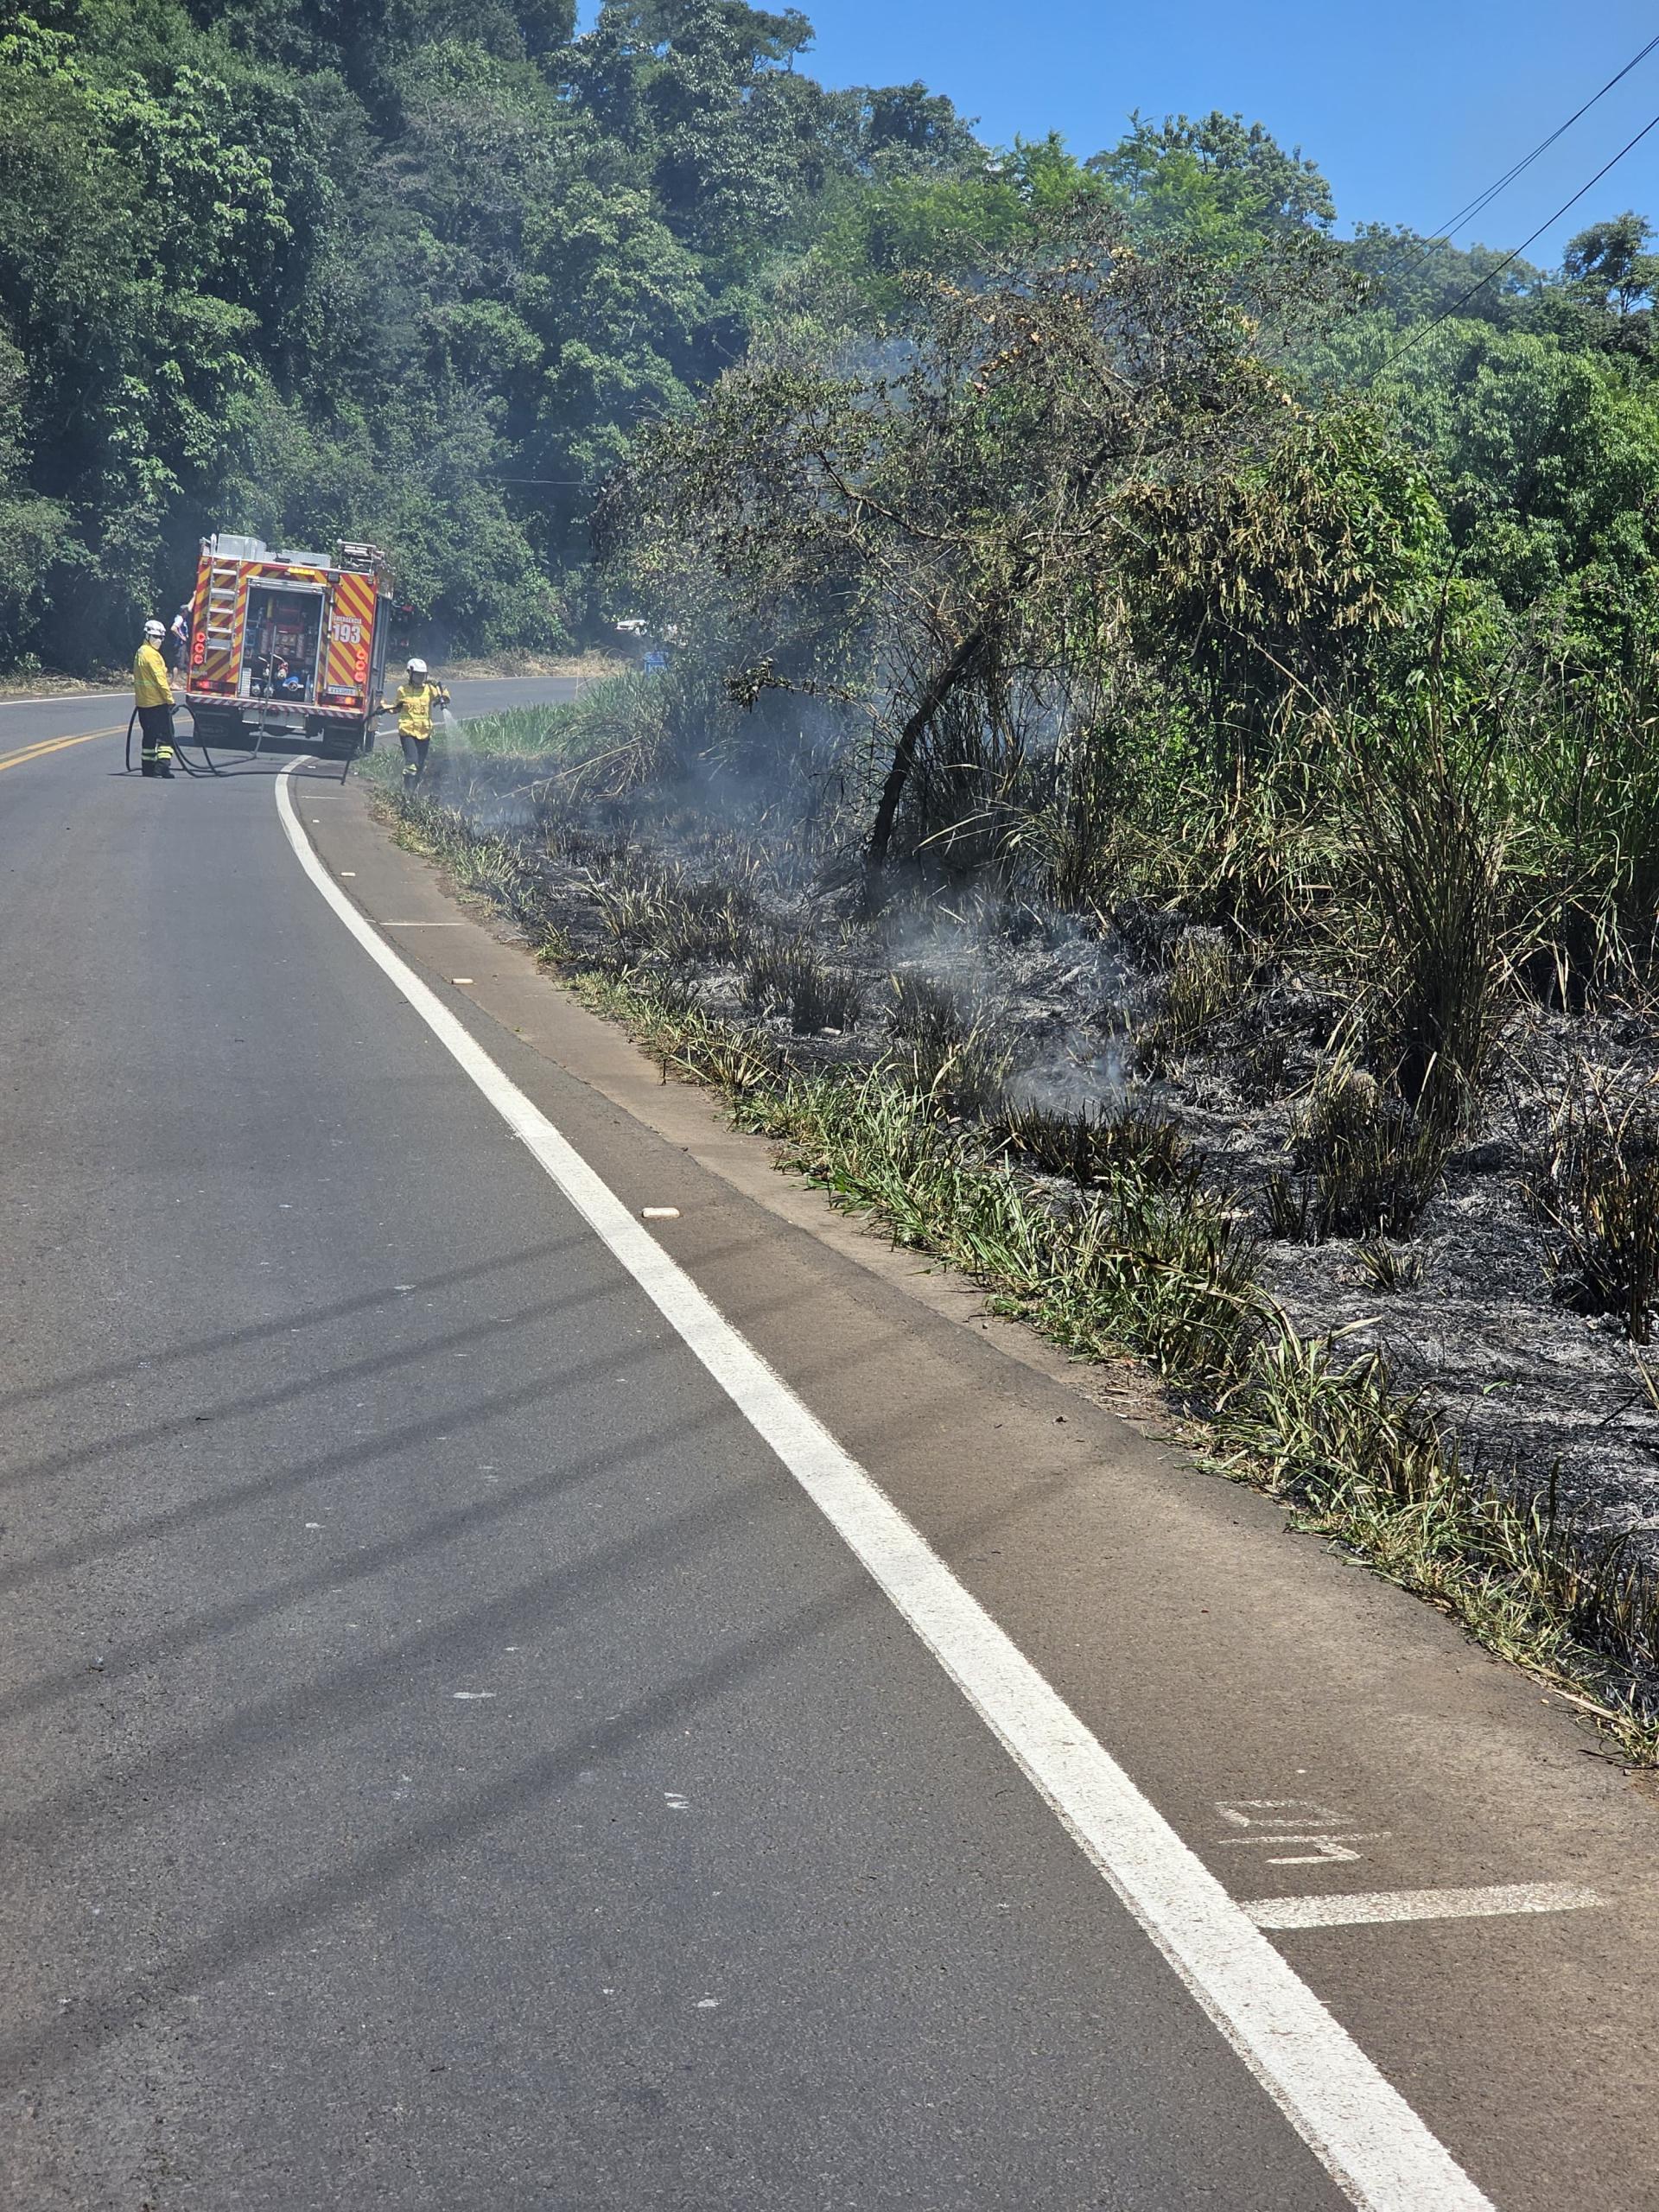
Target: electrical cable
[1462, 301]
[1483, 199]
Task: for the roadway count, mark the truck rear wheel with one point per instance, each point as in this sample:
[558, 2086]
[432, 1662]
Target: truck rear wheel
[219, 725]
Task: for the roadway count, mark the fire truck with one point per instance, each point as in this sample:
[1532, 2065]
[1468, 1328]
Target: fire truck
[285, 644]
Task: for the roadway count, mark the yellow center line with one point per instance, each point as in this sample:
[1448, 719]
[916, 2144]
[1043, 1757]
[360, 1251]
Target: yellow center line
[53, 744]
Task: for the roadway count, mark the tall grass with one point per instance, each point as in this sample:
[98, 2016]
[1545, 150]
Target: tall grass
[1367, 1163]
[950, 1052]
[1430, 849]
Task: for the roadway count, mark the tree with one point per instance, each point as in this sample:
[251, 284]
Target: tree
[1217, 181]
[964, 525]
[1608, 265]
[1416, 278]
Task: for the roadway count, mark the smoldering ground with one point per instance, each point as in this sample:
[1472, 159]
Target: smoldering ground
[724, 887]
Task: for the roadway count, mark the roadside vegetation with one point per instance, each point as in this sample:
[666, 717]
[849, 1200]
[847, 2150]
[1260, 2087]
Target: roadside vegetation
[1103, 1225]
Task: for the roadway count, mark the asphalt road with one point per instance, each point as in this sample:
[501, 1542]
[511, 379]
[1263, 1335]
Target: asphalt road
[445, 1761]
[447, 1765]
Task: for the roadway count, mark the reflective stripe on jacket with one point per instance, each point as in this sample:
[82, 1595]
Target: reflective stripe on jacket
[150, 685]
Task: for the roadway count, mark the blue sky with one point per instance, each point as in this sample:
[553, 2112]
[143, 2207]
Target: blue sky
[1409, 108]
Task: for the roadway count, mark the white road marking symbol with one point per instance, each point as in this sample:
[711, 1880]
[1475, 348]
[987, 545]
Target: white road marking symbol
[1379, 2151]
[1374, 1907]
[1270, 1821]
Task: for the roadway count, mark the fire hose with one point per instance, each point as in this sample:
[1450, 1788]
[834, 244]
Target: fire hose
[179, 755]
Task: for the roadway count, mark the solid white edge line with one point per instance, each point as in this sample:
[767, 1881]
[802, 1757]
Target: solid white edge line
[1374, 1908]
[1356, 2122]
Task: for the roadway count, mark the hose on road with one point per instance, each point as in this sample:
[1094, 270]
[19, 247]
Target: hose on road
[179, 754]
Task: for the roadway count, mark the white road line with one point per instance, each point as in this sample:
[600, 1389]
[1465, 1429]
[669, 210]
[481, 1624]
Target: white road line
[1366, 1908]
[1355, 2121]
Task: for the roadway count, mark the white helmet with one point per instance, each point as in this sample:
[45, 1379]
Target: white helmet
[417, 668]
[154, 629]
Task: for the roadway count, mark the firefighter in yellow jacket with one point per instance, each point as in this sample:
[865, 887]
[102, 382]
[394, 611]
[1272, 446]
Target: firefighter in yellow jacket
[418, 698]
[152, 692]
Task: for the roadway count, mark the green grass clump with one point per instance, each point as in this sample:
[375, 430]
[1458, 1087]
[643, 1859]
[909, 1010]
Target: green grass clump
[946, 1050]
[514, 734]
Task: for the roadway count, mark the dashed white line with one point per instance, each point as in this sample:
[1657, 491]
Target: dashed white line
[1357, 2123]
[1370, 1907]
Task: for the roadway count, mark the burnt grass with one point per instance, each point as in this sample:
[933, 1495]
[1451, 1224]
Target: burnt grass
[1130, 1033]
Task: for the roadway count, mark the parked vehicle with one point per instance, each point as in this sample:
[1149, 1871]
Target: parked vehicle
[288, 644]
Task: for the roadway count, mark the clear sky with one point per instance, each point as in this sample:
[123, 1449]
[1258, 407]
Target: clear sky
[1409, 108]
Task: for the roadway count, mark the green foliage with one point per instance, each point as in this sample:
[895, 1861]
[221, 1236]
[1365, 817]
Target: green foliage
[424, 270]
[1547, 456]
[1217, 183]
[414, 271]
[1416, 278]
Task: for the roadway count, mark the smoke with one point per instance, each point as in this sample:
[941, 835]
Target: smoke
[1057, 994]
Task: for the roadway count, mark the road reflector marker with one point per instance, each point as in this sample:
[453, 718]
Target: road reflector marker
[1380, 2153]
[460, 979]
[1373, 1907]
[660, 1213]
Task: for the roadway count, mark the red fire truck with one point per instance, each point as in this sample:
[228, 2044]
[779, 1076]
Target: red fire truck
[288, 644]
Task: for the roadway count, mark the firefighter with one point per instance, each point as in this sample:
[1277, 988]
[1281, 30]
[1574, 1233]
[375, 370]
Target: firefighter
[417, 696]
[177, 647]
[152, 692]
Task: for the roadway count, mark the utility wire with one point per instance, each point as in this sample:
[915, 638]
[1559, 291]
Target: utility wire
[1483, 199]
[1459, 304]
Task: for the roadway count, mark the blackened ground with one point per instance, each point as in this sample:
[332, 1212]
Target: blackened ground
[1542, 1396]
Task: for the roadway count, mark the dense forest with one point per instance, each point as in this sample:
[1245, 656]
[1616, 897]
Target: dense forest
[422, 272]
[404, 269]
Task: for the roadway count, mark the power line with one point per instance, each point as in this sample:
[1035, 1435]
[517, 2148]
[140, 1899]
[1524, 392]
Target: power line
[1458, 305]
[1483, 199]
